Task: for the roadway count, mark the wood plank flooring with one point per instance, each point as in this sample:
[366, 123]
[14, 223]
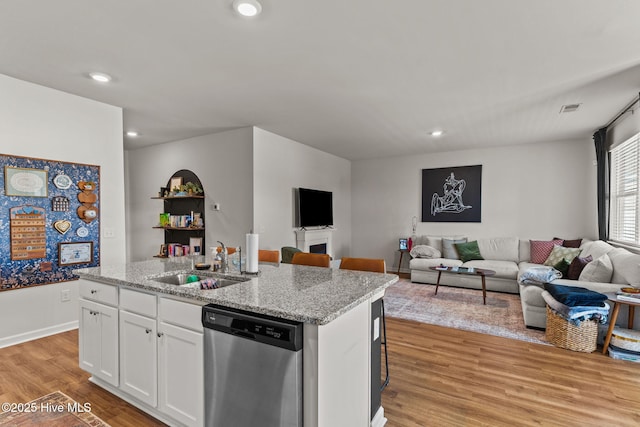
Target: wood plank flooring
[439, 377]
[448, 377]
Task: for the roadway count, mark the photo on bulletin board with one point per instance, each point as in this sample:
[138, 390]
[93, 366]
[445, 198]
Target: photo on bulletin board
[25, 182]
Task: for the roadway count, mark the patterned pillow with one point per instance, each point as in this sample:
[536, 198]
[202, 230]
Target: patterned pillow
[424, 251]
[560, 252]
[448, 250]
[576, 267]
[541, 249]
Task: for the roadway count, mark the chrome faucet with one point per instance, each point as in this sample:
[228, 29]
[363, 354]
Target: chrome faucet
[224, 261]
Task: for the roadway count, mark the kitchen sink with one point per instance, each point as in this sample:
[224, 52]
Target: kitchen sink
[181, 279]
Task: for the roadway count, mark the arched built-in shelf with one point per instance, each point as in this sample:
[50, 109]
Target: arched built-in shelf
[182, 209]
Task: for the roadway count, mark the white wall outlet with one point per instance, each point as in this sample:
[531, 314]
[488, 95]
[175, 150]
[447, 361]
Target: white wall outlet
[108, 233]
[65, 295]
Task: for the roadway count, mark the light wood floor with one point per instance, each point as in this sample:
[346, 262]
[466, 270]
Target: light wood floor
[439, 377]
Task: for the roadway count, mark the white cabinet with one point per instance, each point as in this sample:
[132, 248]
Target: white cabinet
[149, 347]
[138, 357]
[98, 330]
[98, 340]
[181, 374]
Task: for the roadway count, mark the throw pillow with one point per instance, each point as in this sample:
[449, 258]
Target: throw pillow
[541, 249]
[448, 250]
[599, 270]
[560, 252]
[562, 266]
[468, 251]
[570, 243]
[577, 265]
[424, 251]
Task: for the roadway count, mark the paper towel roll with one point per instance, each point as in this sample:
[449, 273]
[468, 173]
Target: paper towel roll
[251, 265]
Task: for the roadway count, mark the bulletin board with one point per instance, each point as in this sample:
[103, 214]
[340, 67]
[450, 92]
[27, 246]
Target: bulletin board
[49, 220]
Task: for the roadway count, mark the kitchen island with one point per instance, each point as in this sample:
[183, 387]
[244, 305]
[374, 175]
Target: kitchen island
[129, 307]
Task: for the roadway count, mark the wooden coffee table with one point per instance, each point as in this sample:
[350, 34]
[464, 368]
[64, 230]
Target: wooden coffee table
[482, 272]
[617, 302]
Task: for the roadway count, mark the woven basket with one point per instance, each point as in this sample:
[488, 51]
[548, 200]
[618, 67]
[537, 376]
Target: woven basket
[562, 333]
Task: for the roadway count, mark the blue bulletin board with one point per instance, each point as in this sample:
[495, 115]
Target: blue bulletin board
[48, 208]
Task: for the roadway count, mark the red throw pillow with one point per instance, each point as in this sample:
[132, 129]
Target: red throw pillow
[540, 249]
[570, 243]
[576, 267]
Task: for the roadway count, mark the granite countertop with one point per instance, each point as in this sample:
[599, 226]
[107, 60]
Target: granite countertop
[305, 294]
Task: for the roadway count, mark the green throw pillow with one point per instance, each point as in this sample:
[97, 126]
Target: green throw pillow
[468, 251]
[562, 266]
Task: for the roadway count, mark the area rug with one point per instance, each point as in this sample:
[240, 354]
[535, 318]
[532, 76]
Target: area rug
[460, 308]
[53, 410]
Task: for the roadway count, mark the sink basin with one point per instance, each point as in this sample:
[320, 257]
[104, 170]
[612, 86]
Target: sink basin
[181, 279]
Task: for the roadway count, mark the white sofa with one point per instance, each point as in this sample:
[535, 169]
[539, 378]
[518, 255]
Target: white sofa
[509, 257]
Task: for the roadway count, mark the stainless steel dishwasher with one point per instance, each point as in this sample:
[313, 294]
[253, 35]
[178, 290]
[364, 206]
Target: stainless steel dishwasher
[253, 369]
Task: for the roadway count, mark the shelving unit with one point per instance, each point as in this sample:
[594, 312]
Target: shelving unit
[183, 205]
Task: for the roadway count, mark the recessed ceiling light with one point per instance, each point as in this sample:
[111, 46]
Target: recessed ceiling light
[437, 133]
[247, 8]
[132, 133]
[100, 77]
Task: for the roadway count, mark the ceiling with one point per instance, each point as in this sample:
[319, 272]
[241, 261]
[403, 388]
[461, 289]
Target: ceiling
[355, 78]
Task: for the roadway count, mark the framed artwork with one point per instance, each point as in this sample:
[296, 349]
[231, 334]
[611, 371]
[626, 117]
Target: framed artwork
[25, 182]
[70, 253]
[403, 244]
[176, 182]
[195, 245]
[452, 194]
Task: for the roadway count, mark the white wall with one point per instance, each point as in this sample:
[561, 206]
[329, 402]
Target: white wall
[222, 161]
[280, 165]
[536, 191]
[40, 122]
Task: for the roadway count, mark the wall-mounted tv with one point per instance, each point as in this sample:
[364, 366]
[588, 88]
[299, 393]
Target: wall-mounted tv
[315, 207]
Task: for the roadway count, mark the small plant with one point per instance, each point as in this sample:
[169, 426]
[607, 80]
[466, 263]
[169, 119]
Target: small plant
[192, 188]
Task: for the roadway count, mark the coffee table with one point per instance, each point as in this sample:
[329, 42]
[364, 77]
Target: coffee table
[482, 272]
[617, 302]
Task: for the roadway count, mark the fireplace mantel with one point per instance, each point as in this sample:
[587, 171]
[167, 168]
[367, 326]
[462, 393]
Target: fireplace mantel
[308, 237]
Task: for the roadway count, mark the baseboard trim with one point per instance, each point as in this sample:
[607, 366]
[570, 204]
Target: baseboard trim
[39, 333]
[379, 419]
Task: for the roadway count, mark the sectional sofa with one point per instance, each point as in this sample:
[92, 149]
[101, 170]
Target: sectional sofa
[511, 258]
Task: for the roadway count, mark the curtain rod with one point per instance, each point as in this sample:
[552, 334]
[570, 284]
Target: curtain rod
[626, 109]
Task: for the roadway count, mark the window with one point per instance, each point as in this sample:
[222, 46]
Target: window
[625, 203]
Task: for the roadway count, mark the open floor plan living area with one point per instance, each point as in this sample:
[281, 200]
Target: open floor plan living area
[322, 214]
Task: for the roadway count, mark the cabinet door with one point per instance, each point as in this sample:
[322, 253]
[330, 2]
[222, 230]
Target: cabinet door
[98, 340]
[138, 352]
[181, 374]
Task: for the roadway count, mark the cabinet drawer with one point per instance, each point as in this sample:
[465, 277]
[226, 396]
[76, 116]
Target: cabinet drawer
[138, 302]
[100, 292]
[182, 314]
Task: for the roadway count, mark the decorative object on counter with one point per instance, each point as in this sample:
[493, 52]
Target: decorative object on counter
[36, 238]
[62, 226]
[60, 204]
[251, 246]
[25, 182]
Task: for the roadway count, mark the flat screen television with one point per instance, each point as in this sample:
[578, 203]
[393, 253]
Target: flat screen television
[315, 208]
